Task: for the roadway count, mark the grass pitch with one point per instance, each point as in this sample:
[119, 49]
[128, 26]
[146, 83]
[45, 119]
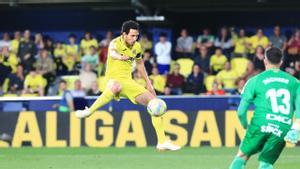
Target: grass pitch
[132, 158]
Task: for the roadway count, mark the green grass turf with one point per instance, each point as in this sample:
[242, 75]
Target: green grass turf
[132, 158]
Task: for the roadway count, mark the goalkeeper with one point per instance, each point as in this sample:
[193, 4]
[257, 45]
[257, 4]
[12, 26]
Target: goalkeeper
[276, 96]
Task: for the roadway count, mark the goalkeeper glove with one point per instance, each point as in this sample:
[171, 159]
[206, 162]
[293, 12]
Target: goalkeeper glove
[293, 135]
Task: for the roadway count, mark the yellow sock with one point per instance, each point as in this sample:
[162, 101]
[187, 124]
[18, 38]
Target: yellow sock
[158, 125]
[102, 100]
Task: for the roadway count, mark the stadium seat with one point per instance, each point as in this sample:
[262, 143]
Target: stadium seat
[208, 82]
[239, 65]
[70, 79]
[186, 66]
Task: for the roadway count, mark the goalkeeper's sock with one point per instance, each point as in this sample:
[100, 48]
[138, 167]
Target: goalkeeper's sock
[158, 125]
[264, 165]
[102, 100]
[238, 163]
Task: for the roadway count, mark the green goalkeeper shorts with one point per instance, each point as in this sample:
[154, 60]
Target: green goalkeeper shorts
[269, 145]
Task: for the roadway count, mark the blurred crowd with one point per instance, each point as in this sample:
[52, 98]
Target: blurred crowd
[206, 64]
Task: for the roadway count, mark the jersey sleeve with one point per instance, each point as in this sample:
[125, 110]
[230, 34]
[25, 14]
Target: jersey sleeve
[248, 91]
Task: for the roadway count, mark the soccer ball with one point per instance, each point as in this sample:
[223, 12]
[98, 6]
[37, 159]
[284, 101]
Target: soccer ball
[156, 107]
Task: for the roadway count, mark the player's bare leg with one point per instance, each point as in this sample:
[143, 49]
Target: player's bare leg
[239, 161]
[158, 125]
[113, 88]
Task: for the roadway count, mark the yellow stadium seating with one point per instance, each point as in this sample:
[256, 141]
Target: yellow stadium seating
[186, 66]
[239, 65]
[209, 81]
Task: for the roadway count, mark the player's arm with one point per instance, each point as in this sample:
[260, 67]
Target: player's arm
[246, 99]
[293, 135]
[115, 54]
[141, 68]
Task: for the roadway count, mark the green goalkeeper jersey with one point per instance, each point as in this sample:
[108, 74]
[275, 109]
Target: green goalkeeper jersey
[273, 93]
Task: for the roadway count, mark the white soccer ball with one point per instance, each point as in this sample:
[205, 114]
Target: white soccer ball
[156, 107]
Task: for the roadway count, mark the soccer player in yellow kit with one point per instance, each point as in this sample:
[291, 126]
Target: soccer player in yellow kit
[122, 53]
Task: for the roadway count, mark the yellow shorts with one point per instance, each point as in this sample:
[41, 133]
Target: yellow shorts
[129, 89]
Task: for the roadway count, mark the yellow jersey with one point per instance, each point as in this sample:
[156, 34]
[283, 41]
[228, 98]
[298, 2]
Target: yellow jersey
[35, 82]
[59, 52]
[159, 82]
[217, 62]
[240, 45]
[116, 69]
[15, 46]
[255, 41]
[86, 44]
[228, 78]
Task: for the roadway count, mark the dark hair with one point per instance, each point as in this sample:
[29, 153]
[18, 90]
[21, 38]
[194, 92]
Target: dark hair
[63, 81]
[72, 35]
[162, 34]
[147, 51]
[274, 55]
[130, 24]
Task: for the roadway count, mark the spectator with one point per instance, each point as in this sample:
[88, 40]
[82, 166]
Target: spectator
[215, 90]
[258, 60]
[5, 70]
[87, 77]
[145, 41]
[217, 61]
[163, 54]
[15, 42]
[297, 69]
[91, 58]
[78, 90]
[72, 53]
[148, 61]
[158, 81]
[34, 83]
[202, 59]
[205, 40]
[277, 39]
[27, 51]
[293, 49]
[5, 42]
[59, 50]
[108, 37]
[16, 81]
[227, 78]
[195, 81]
[46, 67]
[224, 42]
[94, 91]
[72, 49]
[250, 71]
[103, 51]
[184, 47]
[86, 43]
[175, 81]
[39, 42]
[67, 102]
[49, 46]
[241, 44]
[259, 39]
[9, 58]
